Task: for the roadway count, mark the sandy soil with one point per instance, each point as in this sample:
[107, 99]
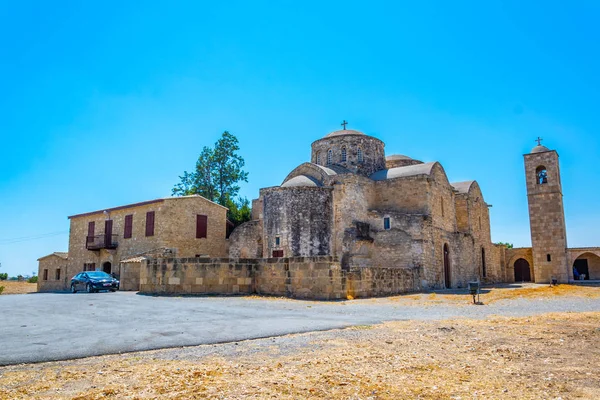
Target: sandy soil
[548, 356]
[15, 287]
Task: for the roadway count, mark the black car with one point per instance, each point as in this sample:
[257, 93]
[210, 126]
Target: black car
[94, 281]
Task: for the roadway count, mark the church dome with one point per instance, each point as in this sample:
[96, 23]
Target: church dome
[539, 149]
[400, 160]
[395, 157]
[302, 181]
[342, 132]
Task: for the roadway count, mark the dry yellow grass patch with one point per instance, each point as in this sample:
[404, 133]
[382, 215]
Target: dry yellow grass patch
[15, 287]
[548, 356]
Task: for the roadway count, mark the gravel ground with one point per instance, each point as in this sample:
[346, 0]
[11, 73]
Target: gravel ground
[46, 327]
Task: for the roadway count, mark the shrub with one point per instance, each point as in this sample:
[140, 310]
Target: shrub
[3, 276]
[1, 289]
[33, 279]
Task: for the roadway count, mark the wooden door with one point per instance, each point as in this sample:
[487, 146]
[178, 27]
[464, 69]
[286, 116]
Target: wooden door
[447, 277]
[522, 271]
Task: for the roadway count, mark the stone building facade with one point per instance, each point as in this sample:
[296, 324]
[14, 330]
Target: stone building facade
[188, 226]
[369, 211]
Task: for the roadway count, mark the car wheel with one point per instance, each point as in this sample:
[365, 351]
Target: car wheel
[89, 288]
[73, 290]
[113, 290]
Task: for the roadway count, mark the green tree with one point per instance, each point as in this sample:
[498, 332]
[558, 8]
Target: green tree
[218, 172]
[508, 245]
[3, 276]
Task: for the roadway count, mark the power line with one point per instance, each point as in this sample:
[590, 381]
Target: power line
[34, 237]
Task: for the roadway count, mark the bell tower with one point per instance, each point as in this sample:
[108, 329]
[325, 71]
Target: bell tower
[546, 215]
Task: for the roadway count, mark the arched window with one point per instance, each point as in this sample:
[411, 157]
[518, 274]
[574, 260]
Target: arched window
[319, 158]
[541, 175]
[343, 154]
[329, 157]
[360, 155]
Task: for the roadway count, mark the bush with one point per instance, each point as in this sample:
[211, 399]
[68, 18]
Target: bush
[1, 289]
[3, 276]
[33, 279]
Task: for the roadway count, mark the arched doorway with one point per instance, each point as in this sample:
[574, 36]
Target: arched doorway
[106, 267]
[587, 264]
[447, 278]
[522, 271]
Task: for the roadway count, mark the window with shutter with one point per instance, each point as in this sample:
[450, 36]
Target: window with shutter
[150, 223]
[277, 253]
[45, 274]
[90, 235]
[201, 226]
[128, 226]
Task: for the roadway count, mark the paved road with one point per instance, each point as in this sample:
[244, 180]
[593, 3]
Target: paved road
[52, 326]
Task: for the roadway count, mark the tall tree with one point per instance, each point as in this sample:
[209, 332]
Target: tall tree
[218, 172]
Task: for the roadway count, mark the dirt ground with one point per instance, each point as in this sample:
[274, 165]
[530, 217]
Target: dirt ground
[548, 356]
[15, 287]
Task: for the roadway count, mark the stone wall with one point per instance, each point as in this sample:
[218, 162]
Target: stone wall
[320, 278]
[52, 263]
[129, 275]
[197, 276]
[301, 217]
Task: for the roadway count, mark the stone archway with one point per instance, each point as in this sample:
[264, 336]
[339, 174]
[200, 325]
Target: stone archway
[107, 267]
[522, 270]
[587, 264]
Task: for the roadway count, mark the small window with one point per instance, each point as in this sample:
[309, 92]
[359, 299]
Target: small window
[277, 253]
[201, 226]
[128, 232]
[329, 157]
[57, 274]
[386, 223]
[150, 223]
[343, 154]
[442, 207]
[277, 241]
[45, 274]
[318, 158]
[541, 175]
[359, 154]
[479, 223]
[89, 266]
[548, 257]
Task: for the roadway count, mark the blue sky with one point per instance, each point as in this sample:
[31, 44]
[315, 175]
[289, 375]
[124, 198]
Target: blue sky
[106, 103]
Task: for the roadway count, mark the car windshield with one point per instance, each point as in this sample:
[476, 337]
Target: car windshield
[98, 275]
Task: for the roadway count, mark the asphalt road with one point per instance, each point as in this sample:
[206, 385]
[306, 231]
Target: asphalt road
[58, 326]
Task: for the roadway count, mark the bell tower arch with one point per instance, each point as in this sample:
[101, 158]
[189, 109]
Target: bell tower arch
[546, 215]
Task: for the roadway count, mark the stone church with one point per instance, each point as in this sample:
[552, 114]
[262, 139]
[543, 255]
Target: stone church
[367, 210]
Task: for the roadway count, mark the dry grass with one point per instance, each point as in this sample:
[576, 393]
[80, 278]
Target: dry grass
[549, 356]
[15, 287]
[491, 295]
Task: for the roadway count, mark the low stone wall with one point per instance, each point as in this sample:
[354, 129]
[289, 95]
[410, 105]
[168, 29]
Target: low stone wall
[197, 276]
[319, 278]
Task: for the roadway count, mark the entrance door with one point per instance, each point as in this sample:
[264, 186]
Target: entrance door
[447, 278]
[522, 272]
[108, 233]
[582, 268]
[107, 267]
